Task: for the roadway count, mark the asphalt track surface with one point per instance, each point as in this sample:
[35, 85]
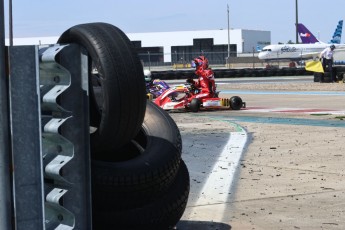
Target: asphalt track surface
[277, 164]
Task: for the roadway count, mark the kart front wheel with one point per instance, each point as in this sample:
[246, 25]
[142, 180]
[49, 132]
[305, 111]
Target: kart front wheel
[236, 103]
[195, 105]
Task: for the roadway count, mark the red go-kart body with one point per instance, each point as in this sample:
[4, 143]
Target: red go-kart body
[187, 97]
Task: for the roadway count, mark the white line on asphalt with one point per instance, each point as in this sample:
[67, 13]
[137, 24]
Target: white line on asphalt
[218, 184]
[294, 110]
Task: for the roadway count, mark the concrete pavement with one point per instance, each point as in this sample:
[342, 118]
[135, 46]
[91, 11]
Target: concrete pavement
[291, 172]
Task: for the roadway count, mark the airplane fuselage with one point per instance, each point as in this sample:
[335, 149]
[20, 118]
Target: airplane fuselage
[292, 51]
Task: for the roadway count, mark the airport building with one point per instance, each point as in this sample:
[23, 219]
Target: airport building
[183, 46]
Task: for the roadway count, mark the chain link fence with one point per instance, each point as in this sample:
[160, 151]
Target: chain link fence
[182, 60]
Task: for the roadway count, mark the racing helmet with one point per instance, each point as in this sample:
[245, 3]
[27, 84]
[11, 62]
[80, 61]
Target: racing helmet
[332, 47]
[201, 62]
[147, 74]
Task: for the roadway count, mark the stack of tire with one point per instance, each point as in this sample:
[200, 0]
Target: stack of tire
[139, 180]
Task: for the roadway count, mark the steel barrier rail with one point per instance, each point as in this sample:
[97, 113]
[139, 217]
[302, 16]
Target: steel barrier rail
[26, 132]
[50, 137]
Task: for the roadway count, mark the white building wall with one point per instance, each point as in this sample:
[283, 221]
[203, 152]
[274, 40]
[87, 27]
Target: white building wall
[244, 39]
[183, 38]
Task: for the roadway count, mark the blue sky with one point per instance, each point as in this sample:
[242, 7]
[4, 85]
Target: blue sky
[37, 18]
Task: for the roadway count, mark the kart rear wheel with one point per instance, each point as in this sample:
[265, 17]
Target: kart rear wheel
[236, 103]
[195, 105]
[116, 84]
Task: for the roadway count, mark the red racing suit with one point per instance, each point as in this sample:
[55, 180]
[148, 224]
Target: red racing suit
[205, 82]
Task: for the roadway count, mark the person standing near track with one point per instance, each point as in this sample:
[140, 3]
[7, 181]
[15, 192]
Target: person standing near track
[327, 60]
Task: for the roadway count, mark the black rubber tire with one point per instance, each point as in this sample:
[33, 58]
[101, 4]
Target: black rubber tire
[317, 77]
[327, 77]
[194, 105]
[151, 169]
[159, 123]
[162, 213]
[236, 103]
[340, 76]
[119, 111]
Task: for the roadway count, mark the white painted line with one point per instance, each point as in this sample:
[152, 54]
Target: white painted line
[218, 185]
[294, 110]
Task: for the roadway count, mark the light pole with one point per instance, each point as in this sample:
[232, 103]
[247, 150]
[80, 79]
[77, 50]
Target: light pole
[148, 52]
[296, 21]
[228, 59]
[10, 20]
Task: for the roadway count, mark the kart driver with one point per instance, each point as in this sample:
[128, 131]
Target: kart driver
[206, 82]
[147, 75]
[148, 79]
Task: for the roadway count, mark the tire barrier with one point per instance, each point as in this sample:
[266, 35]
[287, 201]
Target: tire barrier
[232, 73]
[117, 92]
[162, 213]
[138, 178]
[338, 73]
[148, 167]
[149, 189]
[326, 77]
[317, 77]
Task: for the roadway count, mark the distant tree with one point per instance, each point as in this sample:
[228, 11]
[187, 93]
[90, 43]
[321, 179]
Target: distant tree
[290, 42]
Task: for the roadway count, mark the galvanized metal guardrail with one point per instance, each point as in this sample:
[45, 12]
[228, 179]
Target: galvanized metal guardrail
[50, 137]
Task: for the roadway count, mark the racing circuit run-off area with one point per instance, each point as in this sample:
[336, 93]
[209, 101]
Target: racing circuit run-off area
[289, 145]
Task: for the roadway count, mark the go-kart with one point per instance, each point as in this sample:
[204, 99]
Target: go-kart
[187, 97]
[156, 87]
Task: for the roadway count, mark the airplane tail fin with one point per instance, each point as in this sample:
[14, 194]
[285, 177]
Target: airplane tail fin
[337, 33]
[305, 35]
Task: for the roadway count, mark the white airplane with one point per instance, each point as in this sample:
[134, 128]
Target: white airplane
[309, 49]
[293, 52]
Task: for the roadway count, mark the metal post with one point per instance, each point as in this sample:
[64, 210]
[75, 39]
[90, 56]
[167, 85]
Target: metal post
[5, 185]
[253, 58]
[26, 134]
[296, 21]
[148, 52]
[228, 60]
[10, 22]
